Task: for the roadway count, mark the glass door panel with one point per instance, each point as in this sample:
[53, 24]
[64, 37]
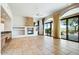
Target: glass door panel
[73, 29]
[46, 26]
[47, 29]
[63, 29]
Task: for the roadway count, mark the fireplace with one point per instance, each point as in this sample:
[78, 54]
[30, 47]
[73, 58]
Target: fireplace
[30, 31]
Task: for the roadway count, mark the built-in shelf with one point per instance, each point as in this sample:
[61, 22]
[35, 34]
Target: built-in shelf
[18, 31]
[18, 27]
[23, 31]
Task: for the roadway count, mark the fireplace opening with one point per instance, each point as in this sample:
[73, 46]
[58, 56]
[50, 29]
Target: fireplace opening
[30, 31]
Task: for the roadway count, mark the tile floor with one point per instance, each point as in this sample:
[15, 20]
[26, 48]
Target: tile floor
[41, 45]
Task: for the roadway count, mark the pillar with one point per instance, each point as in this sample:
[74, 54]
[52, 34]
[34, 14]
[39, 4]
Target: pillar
[56, 25]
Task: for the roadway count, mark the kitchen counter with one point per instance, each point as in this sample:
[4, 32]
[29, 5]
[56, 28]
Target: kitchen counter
[6, 37]
[3, 32]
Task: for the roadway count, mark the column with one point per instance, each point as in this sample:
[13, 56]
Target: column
[56, 25]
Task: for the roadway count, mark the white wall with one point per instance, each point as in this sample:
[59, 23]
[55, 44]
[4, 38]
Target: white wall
[18, 21]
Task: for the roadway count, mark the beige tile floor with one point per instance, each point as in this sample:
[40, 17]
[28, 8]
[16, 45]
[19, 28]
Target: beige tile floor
[41, 45]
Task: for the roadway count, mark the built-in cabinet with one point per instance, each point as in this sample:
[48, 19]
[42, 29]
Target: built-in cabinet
[18, 31]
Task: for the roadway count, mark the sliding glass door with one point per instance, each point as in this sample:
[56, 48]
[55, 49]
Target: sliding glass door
[48, 28]
[63, 29]
[73, 29]
[70, 28]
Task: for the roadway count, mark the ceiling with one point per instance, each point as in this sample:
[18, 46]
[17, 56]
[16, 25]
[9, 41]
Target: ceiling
[37, 10]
